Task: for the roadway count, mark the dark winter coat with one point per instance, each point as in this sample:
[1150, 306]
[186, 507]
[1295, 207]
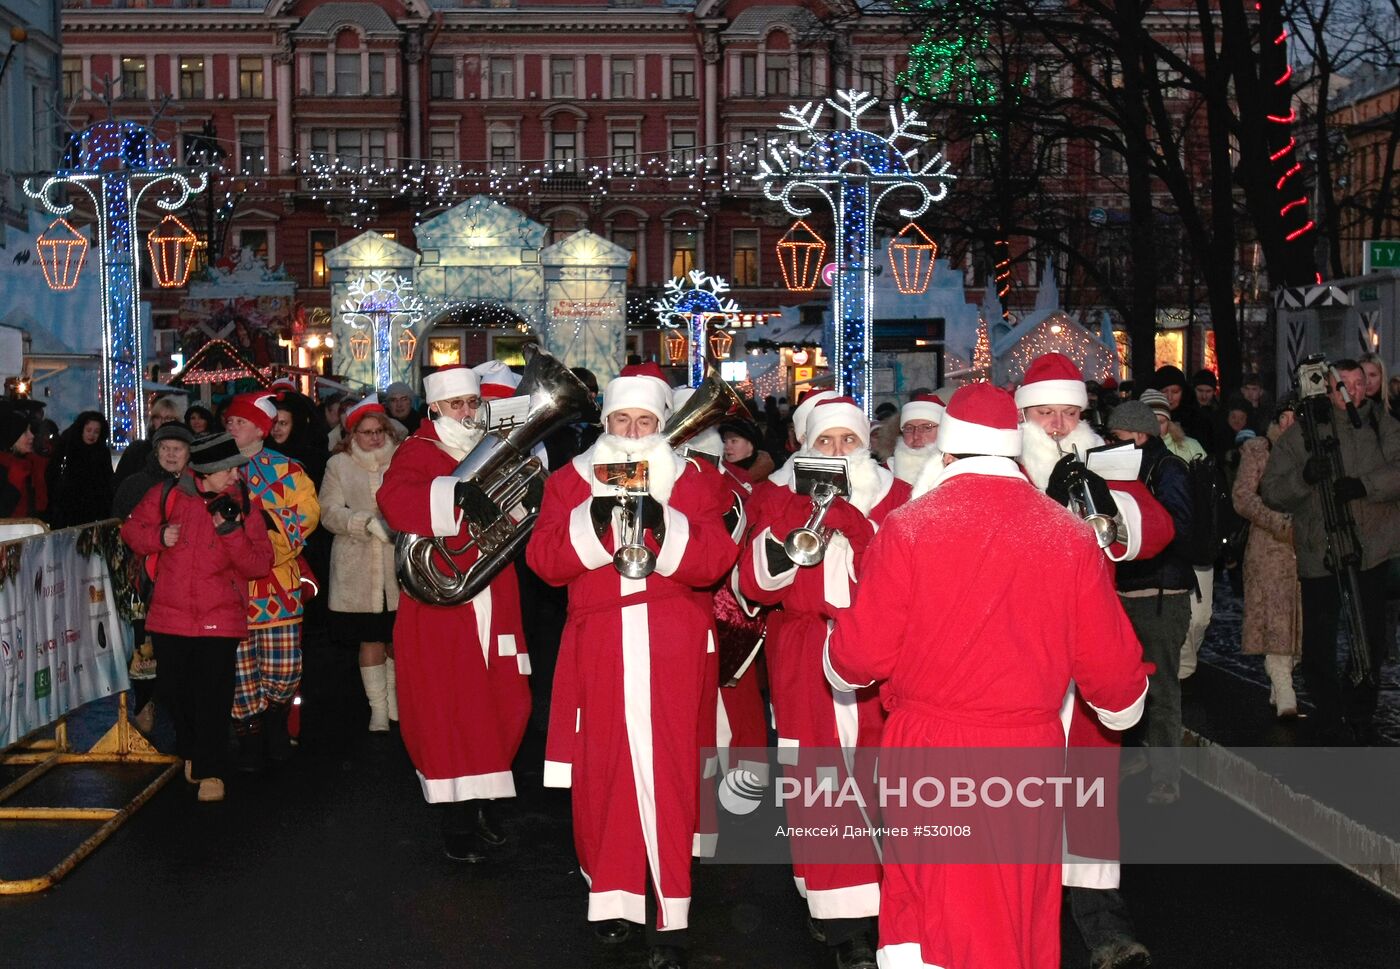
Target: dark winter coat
[80, 476]
[1170, 570]
[134, 487]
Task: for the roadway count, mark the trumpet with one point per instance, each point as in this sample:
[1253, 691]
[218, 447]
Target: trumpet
[633, 560]
[1081, 504]
[807, 545]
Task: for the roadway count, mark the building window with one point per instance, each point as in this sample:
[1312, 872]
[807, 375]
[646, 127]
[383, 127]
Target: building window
[502, 147]
[191, 78]
[252, 152]
[347, 147]
[254, 241]
[682, 77]
[872, 74]
[322, 242]
[627, 239]
[624, 78]
[378, 67]
[624, 150]
[775, 76]
[73, 78]
[748, 75]
[1111, 161]
[377, 148]
[441, 82]
[1054, 156]
[683, 248]
[319, 84]
[979, 158]
[561, 226]
[320, 146]
[563, 150]
[806, 74]
[250, 77]
[133, 77]
[347, 74]
[442, 145]
[745, 270]
[682, 149]
[561, 77]
[503, 77]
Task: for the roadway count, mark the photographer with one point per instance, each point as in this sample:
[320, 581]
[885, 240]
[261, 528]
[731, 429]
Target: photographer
[1293, 481]
[199, 611]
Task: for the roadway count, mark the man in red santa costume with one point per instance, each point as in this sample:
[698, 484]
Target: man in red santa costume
[918, 435]
[461, 670]
[964, 670]
[629, 689]
[842, 899]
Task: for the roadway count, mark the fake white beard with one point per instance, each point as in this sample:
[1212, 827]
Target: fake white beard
[459, 438]
[868, 482]
[1040, 452]
[664, 466]
[907, 461]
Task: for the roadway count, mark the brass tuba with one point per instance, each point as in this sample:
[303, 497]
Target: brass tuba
[509, 481]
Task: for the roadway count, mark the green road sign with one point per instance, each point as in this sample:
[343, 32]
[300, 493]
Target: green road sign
[1380, 254]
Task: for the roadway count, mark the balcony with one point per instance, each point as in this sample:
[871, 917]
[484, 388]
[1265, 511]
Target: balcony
[164, 4]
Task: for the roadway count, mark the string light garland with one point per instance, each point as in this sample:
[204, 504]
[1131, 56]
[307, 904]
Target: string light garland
[697, 301]
[911, 255]
[854, 171]
[62, 254]
[1285, 156]
[235, 366]
[379, 303]
[801, 255]
[172, 246]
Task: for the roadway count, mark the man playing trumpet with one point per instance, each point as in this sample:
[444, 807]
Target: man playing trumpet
[629, 686]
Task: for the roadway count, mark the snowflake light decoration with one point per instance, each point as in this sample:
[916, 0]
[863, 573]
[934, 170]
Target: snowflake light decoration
[380, 303]
[854, 170]
[694, 300]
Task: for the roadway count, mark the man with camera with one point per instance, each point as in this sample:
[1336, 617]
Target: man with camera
[1367, 441]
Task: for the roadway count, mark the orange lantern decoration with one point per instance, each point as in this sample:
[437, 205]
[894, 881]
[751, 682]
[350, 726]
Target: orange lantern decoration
[407, 344]
[172, 246]
[675, 346]
[911, 256]
[359, 345]
[800, 254]
[61, 254]
[720, 344]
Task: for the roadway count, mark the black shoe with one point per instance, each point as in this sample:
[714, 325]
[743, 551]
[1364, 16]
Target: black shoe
[465, 848]
[814, 929]
[485, 827]
[279, 741]
[668, 957]
[613, 931]
[855, 954]
[1120, 954]
[250, 746]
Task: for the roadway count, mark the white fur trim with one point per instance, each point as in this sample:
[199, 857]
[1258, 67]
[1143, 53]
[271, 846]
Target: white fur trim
[558, 773]
[1125, 718]
[829, 415]
[838, 567]
[703, 845]
[603, 906]
[984, 464]
[851, 902]
[767, 581]
[837, 682]
[1129, 528]
[481, 608]
[449, 383]
[921, 410]
[640, 393]
[522, 663]
[472, 787]
[1052, 392]
[803, 411]
[677, 538]
[444, 515]
[787, 750]
[591, 553]
[961, 437]
[903, 955]
[1077, 873]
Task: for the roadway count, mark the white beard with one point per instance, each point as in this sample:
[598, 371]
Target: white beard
[1040, 452]
[664, 466]
[907, 462]
[457, 438]
[869, 482]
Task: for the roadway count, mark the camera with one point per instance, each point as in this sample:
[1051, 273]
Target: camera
[226, 508]
[1312, 375]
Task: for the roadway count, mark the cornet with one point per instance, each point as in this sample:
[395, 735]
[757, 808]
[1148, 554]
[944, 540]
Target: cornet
[633, 560]
[807, 545]
[1081, 504]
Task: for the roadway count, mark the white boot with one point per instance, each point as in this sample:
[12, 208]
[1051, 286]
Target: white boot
[1281, 695]
[375, 681]
[393, 688]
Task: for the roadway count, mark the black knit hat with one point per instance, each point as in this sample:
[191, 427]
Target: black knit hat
[1168, 377]
[12, 426]
[1204, 378]
[215, 452]
[745, 429]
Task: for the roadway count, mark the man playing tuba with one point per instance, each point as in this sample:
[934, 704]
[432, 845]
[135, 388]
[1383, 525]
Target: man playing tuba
[464, 699]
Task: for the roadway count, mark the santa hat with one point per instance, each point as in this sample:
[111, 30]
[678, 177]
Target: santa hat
[370, 405]
[981, 419]
[838, 412]
[804, 411]
[925, 407]
[283, 383]
[449, 382]
[1052, 378]
[641, 386]
[257, 408]
[497, 380]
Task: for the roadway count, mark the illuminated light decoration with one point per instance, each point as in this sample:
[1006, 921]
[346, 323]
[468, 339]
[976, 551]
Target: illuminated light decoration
[172, 246]
[116, 163]
[982, 352]
[1287, 73]
[955, 69]
[800, 255]
[675, 346]
[911, 255]
[720, 344]
[854, 171]
[1292, 205]
[378, 303]
[1292, 143]
[219, 361]
[1281, 155]
[799, 358]
[1003, 275]
[1299, 231]
[696, 300]
[61, 256]
[1297, 167]
[1288, 118]
[407, 344]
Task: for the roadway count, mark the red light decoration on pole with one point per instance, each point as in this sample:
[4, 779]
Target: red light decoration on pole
[720, 344]
[359, 345]
[801, 254]
[172, 246]
[675, 346]
[407, 344]
[61, 255]
[911, 255]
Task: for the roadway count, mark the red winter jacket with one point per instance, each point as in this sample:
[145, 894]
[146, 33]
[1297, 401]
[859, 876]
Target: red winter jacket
[201, 586]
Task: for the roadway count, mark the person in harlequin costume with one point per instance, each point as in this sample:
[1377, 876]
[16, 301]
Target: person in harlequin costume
[917, 446]
[268, 665]
[842, 899]
[630, 685]
[965, 670]
[462, 670]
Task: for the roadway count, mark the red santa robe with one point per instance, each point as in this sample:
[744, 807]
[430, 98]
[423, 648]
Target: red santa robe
[806, 711]
[629, 687]
[968, 670]
[463, 687]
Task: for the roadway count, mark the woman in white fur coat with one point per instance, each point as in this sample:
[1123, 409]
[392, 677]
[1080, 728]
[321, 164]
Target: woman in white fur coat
[364, 593]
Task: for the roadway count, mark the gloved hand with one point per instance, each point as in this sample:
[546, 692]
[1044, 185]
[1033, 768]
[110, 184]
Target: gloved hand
[1070, 469]
[653, 516]
[380, 530]
[1061, 477]
[474, 502]
[1349, 489]
[600, 510]
[845, 518]
[1314, 470]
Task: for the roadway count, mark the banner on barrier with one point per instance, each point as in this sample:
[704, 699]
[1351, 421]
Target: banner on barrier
[63, 640]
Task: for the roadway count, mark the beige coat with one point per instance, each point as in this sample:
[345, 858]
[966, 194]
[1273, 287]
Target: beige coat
[1273, 616]
[362, 566]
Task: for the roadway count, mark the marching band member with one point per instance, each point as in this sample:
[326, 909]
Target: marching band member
[918, 435]
[963, 670]
[461, 670]
[842, 899]
[629, 687]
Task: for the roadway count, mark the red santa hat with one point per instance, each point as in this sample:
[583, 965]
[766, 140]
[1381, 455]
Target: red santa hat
[641, 386]
[370, 405]
[924, 407]
[283, 383]
[803, 412]
[257, 408]
[1052, 378]
[497, 379]
[838, 412]
[446, 383]
[981, 419]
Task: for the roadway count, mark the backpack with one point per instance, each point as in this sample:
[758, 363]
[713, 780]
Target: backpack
[141, 571]
[1212, 511]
